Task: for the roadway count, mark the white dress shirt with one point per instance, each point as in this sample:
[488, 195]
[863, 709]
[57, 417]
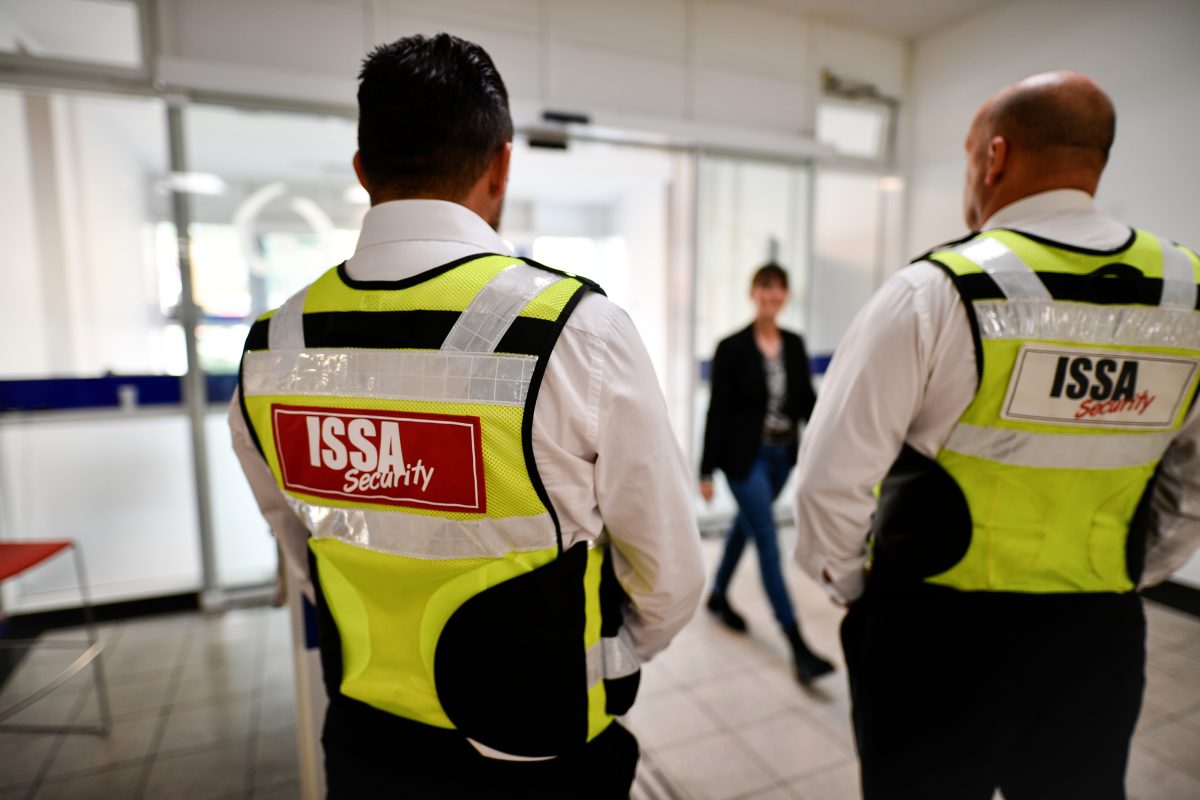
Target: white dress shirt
[601, 439]
[905, 372]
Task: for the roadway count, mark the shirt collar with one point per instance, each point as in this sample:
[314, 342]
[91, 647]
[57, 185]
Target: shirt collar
[1065, 215]
[427, 221]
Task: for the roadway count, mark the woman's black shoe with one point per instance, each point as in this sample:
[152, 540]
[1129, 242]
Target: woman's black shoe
[721, 609]
[809, 666]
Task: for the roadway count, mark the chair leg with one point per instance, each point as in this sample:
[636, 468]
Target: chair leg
[89, 623]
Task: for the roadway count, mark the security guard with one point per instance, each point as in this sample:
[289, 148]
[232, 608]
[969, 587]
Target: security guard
[468, 456]
[1026, 397]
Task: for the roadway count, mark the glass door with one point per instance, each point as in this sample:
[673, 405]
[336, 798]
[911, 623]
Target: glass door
[616, 214]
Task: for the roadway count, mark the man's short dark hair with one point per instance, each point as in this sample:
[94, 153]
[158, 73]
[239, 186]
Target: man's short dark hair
[769, 273]
[433, 112]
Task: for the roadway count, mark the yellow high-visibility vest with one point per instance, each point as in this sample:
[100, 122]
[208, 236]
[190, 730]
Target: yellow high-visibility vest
[396, 418]
[1088, 364]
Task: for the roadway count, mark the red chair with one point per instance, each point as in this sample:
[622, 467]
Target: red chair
[16, 558]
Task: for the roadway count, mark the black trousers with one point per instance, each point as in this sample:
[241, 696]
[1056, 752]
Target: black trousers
[955, 694]
[370, 754]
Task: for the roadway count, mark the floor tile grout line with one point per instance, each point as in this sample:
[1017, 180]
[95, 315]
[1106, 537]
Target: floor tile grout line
[59, 739]
[820, 771]
[260, 655]
[124, 763]
[185, 644]
[723, 728]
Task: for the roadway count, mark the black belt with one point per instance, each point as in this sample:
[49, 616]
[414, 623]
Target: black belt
[778, 437]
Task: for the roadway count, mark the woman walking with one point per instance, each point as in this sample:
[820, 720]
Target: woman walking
[761, 391]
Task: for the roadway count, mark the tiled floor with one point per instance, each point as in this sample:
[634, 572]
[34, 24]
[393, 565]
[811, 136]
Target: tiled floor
[202, 705]
[204, 709]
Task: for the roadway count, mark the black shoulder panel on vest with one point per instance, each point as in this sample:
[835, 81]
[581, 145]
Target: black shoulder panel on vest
[922, 526]
[535, 385]
[259, 336]
[1111, 284]
[945, 246]
[510, 665]
[969, 310]
[588, 282]
[415, 330]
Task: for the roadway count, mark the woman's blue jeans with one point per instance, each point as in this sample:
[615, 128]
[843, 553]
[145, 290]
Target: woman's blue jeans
[755, 520]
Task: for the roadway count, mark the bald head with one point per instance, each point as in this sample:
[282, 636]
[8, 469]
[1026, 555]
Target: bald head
[1062, 115]
[1049, 131]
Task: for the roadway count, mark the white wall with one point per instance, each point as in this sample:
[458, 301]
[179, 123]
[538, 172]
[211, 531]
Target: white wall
[699, 60]
[1144, 54]
[118, 483]
[18, 226]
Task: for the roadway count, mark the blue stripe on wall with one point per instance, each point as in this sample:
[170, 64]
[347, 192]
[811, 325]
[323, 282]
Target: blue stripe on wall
[56, 394]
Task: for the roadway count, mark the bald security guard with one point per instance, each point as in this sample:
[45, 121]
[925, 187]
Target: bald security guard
[467, 459]
[1026, 397]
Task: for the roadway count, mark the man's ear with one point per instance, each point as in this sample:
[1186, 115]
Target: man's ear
[997, 160]
[358, 170]
[498, 171]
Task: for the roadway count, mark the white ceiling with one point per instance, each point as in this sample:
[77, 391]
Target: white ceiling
[906, 19]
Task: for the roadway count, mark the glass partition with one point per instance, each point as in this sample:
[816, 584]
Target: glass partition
[748, 212]
[86, 451]
[273, 202]
[610, 213]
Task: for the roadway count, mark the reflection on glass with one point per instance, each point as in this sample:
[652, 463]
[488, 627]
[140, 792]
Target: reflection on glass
[281, 215]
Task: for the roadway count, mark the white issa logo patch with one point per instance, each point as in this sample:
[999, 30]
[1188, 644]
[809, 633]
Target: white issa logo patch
[1101, 388]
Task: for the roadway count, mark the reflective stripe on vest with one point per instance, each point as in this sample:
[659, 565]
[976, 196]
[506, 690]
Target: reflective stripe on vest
[1057, 450]
[1077, 403]
[489, 379]
[1138, 326]
[482, 325]
[1015, 279]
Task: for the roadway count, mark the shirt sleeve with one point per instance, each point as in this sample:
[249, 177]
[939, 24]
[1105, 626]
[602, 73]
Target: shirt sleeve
[643, 491]
[285, 525]
[872, 391]
[807, 398]
[1175, 506]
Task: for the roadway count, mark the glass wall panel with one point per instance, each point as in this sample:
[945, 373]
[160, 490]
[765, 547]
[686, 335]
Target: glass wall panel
[610, 213]
[93, 443]
[273, 203]
[849, 237]
[85, 218]
[748, 212]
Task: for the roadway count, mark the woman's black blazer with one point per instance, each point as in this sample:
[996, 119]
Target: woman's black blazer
[733, 431]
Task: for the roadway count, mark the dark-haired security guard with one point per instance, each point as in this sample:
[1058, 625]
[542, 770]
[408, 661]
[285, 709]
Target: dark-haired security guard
[1027, 397]
[469, 456]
